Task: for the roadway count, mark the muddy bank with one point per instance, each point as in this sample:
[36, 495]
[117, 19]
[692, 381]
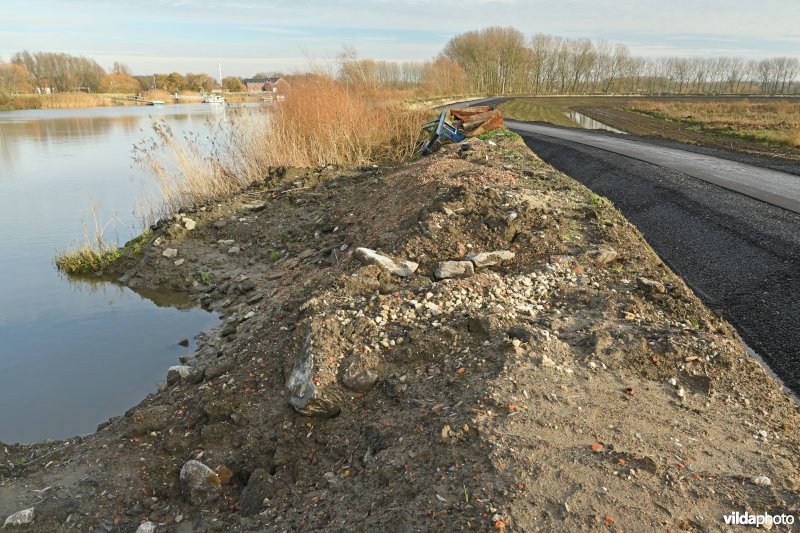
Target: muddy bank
[472, 341]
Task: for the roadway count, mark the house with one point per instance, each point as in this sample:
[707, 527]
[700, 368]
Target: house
[257, 85]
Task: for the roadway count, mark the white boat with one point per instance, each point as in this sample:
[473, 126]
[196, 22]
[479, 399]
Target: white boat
[213, 99]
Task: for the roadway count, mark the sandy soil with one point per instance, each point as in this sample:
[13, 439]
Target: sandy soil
[578, 386]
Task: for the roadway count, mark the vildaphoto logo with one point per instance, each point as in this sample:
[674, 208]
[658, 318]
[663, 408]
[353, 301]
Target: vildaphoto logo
[758, 520]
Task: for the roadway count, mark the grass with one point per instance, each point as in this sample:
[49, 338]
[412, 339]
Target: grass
[499, 135]
[528, 109]
[776, 123]
[95, 253]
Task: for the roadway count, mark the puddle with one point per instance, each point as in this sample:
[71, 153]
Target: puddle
[589, 123]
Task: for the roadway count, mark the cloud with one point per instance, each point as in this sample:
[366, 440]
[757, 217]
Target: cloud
[277, 30]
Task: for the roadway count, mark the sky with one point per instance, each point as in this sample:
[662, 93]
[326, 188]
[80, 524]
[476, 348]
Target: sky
[284, 35]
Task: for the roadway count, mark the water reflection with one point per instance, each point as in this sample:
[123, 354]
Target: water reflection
[75, 351]
[589, 123]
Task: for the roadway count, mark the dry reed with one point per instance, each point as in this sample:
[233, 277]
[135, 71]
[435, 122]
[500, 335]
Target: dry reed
[320, 122]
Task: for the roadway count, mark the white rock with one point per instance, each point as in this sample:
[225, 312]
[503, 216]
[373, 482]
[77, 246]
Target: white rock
[179, 262]
[200, 482]
[371, 257]
[20, 518]
[146, 527]
[233, 250]
[762, 481]
[681, 393]
[226, 242]
[673, 382]
[170, 252]
[189, 224]
[182, 370]
[454, 269]
[487, 259]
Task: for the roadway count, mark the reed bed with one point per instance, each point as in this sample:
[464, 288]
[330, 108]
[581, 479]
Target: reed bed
[319, 122]
[776, 122]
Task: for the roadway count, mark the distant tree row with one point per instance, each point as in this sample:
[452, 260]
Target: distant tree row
[502, 61]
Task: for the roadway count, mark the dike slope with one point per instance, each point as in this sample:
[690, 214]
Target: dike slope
[575, 384]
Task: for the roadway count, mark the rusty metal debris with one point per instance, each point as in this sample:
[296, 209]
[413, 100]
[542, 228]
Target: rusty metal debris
[467, 122]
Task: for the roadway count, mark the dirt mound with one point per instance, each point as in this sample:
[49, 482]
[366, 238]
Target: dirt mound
[526, 363]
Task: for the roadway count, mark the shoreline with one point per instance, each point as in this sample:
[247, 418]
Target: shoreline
[333, 387]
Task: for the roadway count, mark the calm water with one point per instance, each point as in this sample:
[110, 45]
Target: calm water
[589, 123]
[73, 353]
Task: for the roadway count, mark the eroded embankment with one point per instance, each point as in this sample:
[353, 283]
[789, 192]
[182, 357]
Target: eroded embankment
[570, 382]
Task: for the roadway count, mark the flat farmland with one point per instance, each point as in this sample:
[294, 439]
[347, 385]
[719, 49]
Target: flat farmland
[762, 126]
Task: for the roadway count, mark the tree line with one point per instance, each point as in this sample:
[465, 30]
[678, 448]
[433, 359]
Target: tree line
[496, 60]
[501, 60]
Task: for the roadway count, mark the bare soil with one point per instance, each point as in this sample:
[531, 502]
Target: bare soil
[580, 386]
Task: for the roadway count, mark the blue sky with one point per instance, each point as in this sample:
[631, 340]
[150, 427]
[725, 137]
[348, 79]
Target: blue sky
[253, 35]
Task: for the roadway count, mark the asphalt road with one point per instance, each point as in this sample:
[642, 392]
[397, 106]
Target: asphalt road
[739, 254]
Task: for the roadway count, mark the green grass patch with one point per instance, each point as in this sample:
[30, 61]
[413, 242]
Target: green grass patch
[499, 135]
[97, 256]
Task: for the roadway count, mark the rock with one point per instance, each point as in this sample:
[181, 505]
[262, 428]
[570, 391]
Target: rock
[252, 498]
[179, 262]
[200, 483]
[359, 378]
[650, 285]
[487, 259]
[219, 367]
[20, 518]
[146, 527]
[189, 224]
[304, 396]
[762, 481]
[183, 342]
[603, 255]
[219, 224]
[454, 269]
[170, 252]
[371, 257]
[177, 373]
[233, 250]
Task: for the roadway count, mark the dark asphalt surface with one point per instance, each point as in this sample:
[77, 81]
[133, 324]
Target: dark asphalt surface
[740, 255]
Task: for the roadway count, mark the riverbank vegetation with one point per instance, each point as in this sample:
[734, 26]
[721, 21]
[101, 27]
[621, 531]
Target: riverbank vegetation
[322, 121]
[771, 122]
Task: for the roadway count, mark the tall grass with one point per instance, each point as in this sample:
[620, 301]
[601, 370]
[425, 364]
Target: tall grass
[91, 254]
[320, 122]
[775, 122]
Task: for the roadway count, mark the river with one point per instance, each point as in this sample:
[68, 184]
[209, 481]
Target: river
[74, 353]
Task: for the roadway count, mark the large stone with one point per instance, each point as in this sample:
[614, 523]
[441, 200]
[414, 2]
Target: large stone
[170, 252]
[200, 483]
[177, 373]
[454, 269]
[371, 257]
[304, 396]
[189, 224]
[359, 378]
[651, 286]
[487, 259]
[603, 255]
[20, 518]
[146, 527]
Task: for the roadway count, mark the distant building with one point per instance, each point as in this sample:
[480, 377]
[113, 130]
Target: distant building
[258, 85]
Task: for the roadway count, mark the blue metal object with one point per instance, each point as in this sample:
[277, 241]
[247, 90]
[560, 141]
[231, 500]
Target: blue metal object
[440, 128]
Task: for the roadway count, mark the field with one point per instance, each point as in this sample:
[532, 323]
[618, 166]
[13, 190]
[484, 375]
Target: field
[767, 122]
[759, 126]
